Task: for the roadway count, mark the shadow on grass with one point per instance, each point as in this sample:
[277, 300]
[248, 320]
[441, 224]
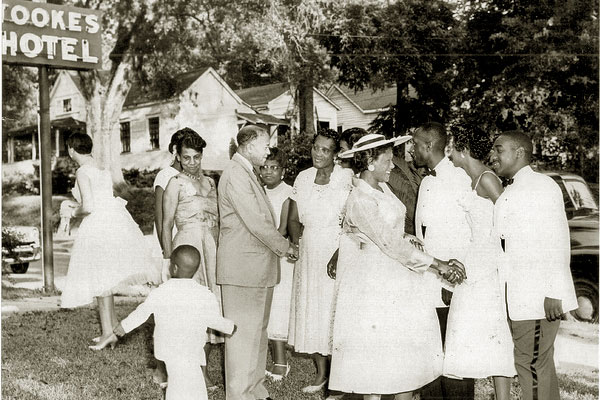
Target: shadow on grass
[16, 293]
[45, 356]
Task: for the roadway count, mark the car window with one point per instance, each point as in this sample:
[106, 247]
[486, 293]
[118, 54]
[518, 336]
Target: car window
[580, 195]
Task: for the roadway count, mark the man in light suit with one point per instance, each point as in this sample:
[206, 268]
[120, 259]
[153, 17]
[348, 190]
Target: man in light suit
[441, 224]
[531, 224]
[247, 264]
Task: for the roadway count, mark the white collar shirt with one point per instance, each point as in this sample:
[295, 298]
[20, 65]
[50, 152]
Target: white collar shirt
[440, 220]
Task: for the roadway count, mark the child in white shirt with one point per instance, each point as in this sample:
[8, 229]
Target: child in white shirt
[183, 310]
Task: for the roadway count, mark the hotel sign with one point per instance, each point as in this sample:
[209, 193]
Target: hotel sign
[48, 34]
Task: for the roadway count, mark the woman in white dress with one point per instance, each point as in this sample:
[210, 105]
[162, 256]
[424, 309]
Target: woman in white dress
[478, 339]
[109, 248]
[318, 198]
[279, 194]
[386, 337]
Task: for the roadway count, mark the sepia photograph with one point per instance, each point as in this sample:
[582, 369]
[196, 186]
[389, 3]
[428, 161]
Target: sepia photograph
[300, 199]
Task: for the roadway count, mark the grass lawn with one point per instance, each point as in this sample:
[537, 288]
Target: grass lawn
[25, 210]
[45, 356]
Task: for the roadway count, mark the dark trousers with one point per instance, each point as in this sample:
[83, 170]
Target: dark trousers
[443, 387]
[534, 358]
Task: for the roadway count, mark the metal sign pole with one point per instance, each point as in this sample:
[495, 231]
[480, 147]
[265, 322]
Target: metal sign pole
[46, 179]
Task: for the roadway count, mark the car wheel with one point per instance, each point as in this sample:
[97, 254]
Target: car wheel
[587, 297]
[20, 268]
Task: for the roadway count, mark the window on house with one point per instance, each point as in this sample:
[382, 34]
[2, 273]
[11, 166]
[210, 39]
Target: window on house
[125, 137]
[67, 105]
[323, 124]
[153, 124]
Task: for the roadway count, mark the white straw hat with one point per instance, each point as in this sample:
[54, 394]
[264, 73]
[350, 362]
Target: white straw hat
[371, 141]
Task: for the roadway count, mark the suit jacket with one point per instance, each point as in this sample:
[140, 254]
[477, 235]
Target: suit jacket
[441, 222]
[404, 183]
[530, 218]
[182, 309]
[249, 243]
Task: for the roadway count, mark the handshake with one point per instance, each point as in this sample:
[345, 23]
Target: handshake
[453, 271]
[292, 252]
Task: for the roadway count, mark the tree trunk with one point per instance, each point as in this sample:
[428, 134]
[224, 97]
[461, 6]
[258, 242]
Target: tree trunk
[104, 105]
[306, 106]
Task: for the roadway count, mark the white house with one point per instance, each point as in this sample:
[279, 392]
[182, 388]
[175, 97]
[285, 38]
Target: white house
[276, 99]
[357, 109]
[203, 102]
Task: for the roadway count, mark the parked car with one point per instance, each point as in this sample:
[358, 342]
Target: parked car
[582, 213]
[20, 246]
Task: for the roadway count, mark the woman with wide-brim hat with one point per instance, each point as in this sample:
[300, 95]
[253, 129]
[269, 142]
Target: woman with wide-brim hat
[386, 338]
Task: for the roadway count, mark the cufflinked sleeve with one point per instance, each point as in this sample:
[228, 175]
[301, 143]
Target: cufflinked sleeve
[364, 218]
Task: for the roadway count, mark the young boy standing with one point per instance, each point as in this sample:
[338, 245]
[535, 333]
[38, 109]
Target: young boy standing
[183, 310]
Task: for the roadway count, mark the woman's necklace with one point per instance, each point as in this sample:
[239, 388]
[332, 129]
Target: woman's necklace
[194, 177]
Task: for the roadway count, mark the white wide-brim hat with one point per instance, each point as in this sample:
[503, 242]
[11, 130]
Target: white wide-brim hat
[371, 141]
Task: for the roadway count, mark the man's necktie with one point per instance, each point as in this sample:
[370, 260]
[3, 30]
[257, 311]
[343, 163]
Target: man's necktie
[431, 172]
[506, 182]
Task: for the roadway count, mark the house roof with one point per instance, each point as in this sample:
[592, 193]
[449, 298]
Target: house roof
[261, 95]
[259, 118]
[139, 95]
[367, 99]
[60, 123]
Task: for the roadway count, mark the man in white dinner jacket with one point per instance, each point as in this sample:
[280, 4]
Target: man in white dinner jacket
[440, 222]
[531, 225]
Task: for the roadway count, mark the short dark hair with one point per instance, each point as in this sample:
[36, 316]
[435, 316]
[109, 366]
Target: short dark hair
[278, 155]
[520, 139]
[80, 142]
[187, 258]
[361, 158]
[191, 140]
[176, 137]
[475, 140]
[329, 134]
[351, 135]
[248, 133]
[437, 132]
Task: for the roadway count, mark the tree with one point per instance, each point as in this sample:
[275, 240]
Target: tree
[18, 100]
[406, 43]
[535, 68]
[290, 37]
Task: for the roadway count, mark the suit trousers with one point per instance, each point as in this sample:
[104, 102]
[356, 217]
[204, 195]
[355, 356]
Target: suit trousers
[534, 358]
[186, 381]
[443, 387]
[246, 350]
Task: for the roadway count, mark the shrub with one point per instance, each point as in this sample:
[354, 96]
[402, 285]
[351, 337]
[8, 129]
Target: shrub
[140, 204]
[10, 240]
[63, 175]
[140, 178]
[20, 183]
[299, 157]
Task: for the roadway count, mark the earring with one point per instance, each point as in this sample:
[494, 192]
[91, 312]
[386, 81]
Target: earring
[462, 155]
[371, 167]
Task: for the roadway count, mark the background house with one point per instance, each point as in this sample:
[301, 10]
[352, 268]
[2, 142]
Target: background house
[276, 99]
[357, 109]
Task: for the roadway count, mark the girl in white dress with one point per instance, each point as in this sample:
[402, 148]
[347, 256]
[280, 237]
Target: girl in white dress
[109, 248]
[318, 198]
[478, 339]
[279, 194]
[386, 337]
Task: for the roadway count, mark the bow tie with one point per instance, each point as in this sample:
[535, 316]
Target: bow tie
[506, 182]
[431, 172]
